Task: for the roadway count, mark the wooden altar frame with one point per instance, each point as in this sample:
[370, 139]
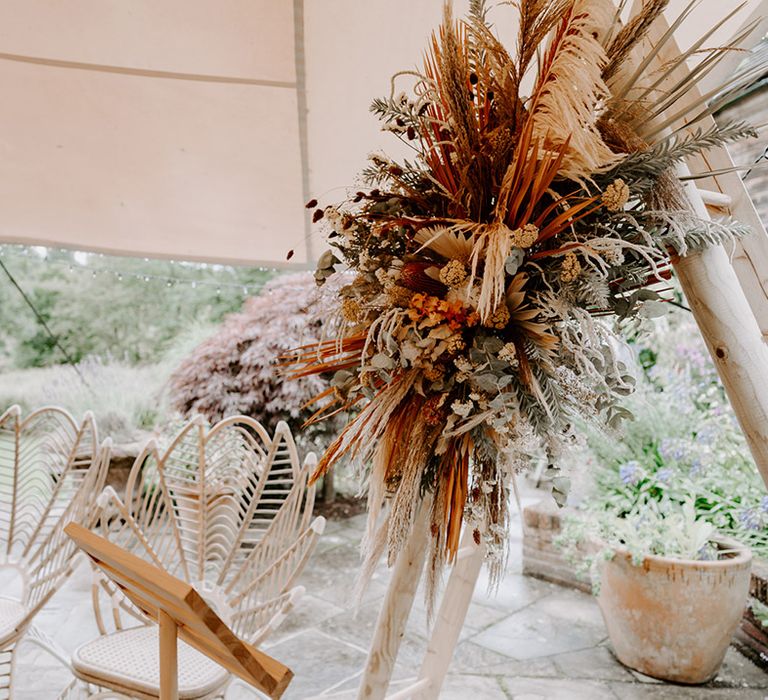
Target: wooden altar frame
[728, 294]
[180, 612]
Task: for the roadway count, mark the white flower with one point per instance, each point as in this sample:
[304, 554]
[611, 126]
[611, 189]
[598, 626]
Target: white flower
[462, 409]
[463, 364]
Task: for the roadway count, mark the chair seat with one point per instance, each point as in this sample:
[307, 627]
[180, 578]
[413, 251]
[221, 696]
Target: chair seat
[12, 613]
[130, 660]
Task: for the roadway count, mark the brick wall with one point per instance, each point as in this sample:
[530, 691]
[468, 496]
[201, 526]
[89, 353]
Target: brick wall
[541, 558]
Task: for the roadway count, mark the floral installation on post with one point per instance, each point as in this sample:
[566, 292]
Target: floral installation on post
[471, 334]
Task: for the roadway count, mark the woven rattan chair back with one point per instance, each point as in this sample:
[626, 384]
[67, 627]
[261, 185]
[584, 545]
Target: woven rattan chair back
[51, 472]
[225, 508]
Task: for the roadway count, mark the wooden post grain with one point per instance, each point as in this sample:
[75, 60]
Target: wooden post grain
[729, 301]
[451, 616]
[169, 663]
[395, 610]
[732, 335]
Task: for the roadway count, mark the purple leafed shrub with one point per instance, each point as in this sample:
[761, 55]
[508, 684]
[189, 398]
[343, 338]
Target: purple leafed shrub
[235, 372]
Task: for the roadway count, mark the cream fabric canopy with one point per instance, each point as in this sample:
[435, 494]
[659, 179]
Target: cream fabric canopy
[197, 129]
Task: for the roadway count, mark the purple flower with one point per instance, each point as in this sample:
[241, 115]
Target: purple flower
[665, 449]
[630, 473]
[673, 449]
[750, 519]
[664, 475]
[764, 504]
[708, 434]
[697, 467]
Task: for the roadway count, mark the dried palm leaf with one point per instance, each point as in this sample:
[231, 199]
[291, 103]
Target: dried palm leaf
[631, 34]
[570, 88]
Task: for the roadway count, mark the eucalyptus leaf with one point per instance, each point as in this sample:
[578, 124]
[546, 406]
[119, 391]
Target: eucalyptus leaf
[504, 381]
[513, 261]
[654, 309]
[491, 344]
[485, 382]
[382, 361]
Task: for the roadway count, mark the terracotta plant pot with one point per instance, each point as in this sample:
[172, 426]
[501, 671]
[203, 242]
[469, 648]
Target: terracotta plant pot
[674, 618]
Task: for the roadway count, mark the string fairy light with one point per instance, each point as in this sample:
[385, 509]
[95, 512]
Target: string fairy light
[246, 288]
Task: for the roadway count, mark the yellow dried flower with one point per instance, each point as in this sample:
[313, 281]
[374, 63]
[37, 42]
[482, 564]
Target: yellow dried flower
[434, 373]
[570, 269]
[499, 318]
[525, 237]
[616, 195]
[453, 274]
[399, 296]
[350, 310]
[454, 344]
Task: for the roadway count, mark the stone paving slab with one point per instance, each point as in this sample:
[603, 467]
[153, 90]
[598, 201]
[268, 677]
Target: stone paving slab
[532, 640]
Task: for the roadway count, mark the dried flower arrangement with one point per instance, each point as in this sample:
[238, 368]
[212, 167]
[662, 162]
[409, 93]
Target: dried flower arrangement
[470, 335]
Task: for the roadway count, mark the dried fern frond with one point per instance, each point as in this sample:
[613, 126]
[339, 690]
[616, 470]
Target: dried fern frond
[640, 170]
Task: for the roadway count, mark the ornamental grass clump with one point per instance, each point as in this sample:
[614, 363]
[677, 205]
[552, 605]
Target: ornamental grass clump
[540, 197]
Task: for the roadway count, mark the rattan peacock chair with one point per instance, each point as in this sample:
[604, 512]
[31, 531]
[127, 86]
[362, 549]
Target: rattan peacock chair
[51, 472]
[226, 509]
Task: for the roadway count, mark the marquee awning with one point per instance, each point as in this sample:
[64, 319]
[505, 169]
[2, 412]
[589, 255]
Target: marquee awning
[197, 129]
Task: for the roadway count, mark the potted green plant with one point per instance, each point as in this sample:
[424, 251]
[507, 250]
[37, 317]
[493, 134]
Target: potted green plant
[671, 591]
[673, 507]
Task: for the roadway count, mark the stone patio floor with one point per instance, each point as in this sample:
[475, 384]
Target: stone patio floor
[531, 640]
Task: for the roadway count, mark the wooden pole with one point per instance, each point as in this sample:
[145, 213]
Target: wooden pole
[395, 610]
[169, 665]
[729, 301]
[732, 335]
[451, 616]
[750, 260]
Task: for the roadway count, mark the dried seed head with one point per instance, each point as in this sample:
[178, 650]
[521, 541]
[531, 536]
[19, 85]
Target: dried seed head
[570, 269]
[453, 274]
[525, 237]
[616, 195]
